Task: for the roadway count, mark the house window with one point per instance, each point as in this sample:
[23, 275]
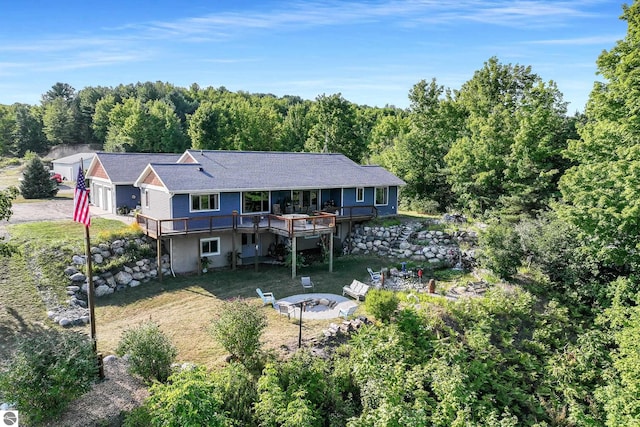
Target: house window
[210, 246]
[382, 195]
[146, 198]
[205, 202]
[255, 201]
[360, 194]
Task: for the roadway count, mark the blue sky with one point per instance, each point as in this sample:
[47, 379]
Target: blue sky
[372, 52]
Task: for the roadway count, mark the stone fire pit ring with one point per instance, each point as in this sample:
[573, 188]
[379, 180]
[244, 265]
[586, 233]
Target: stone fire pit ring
[324, 306]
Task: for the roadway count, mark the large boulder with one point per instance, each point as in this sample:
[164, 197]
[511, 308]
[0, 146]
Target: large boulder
[103, 290]
[123, 278]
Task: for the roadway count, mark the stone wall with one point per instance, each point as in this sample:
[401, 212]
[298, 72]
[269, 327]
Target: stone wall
[415, 242]
[130, 275]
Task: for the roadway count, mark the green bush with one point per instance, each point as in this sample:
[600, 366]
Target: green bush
[189, 398]
[501, 250]
[239, 388]
[150, 351]
[48, 371]
[238, 330]
[381, 304]
[420, 205]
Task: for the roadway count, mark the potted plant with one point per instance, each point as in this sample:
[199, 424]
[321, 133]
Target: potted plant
[204, 262]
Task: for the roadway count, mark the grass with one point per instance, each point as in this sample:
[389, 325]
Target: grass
[45, 248]
[10, 174]
[184, 306]
[21, 308]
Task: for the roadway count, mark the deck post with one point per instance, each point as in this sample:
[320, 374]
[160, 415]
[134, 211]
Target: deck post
[294, 256]
[159, 256]
[331, 253]
[234, 234]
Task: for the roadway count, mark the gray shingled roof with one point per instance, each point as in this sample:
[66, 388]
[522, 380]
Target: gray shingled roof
[260, 170]
[86, 157]
[125, 168]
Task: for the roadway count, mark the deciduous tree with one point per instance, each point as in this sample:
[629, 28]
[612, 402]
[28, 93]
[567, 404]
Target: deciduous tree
[601, 191]
[511, 134]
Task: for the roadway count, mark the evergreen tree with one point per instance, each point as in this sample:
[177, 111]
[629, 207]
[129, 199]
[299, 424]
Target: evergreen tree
[36, 182]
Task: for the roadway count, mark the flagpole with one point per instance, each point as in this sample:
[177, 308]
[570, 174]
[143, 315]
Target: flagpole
[90, 290]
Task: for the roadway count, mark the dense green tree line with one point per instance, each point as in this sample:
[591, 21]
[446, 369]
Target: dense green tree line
[493, 144]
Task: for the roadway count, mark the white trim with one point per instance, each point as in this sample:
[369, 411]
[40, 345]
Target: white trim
[204, 194]
[359, 199]
[210, 239]
[154, 187]
[375, 198]
[101, 180]
[242, 212]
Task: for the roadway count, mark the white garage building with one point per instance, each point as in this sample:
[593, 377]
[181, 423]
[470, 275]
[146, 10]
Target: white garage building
[68, 166]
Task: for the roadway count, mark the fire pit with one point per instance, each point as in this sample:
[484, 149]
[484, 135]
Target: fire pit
[319, 306]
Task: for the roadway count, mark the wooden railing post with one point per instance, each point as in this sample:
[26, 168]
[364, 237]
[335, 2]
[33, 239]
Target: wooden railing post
[159, 255]
[234, 234]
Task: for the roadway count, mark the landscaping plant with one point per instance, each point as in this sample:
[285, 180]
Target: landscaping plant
[150, 351]
[48, 370]
[37, 183]
[238, 330]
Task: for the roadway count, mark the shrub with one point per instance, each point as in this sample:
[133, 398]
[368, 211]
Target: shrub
[150, 351]
[47, 372]
[420, 205]
[36, 183]
[238, 330]
[501, 250]
[381, 304]
[190, 398]
[239, 388]
[131, 231]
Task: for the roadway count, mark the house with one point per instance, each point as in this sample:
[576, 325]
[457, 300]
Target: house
[214, 204]
[112, 175]
[68, 166]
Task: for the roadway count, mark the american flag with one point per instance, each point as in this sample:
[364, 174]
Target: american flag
[81, 201]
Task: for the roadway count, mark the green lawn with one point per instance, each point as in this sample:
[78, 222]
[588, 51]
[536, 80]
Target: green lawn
[184, 306]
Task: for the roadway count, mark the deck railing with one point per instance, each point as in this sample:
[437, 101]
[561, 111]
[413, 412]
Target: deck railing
[291, 223]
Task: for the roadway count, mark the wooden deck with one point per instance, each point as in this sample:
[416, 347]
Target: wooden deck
[288, 225]
[284, 225]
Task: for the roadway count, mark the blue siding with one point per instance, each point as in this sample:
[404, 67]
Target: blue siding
[123, 196]
[350, 200]
[231, 201]
[228, 203]
[392, 207]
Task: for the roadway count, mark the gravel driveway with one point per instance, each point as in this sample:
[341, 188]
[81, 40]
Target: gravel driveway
[51, 210]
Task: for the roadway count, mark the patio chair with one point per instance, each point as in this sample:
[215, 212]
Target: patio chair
[306, 282]
[286, 308]
[277, 210]
[375, 275]
[267, 298]
[346, 312]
